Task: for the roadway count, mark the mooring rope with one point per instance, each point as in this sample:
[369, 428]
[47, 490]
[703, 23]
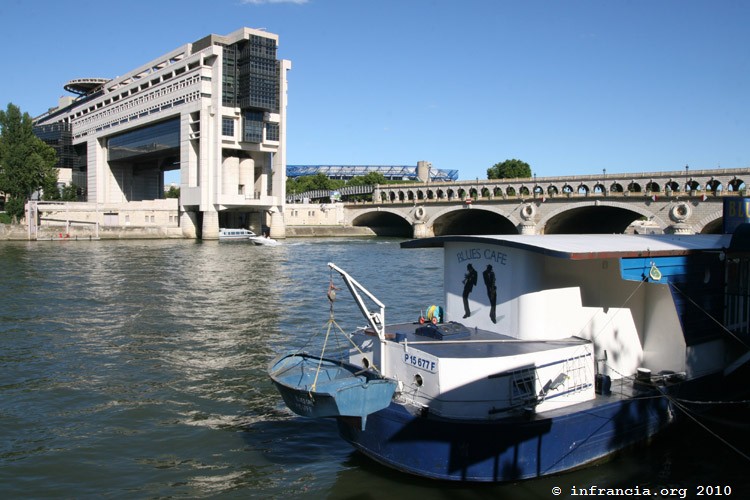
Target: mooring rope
[688, 413]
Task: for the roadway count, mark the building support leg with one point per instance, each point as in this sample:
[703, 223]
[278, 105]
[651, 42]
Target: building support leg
[210, 225]
[189, 224]
[277, 224]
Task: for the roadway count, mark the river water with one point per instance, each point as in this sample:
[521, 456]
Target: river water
[137, 369]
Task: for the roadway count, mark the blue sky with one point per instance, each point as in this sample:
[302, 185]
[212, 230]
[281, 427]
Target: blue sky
[571, 87]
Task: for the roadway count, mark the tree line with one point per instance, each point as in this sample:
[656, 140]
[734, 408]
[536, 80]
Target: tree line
[27, 164]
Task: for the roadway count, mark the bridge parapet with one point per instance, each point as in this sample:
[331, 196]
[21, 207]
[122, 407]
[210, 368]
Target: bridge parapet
[714, 181]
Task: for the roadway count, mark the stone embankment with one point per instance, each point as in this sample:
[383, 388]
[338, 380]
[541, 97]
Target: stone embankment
[320, 231]
[21, 232]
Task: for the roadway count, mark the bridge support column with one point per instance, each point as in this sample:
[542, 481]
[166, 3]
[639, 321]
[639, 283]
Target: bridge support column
[527, 227]
[422, 230]
[682, 228]
[189, 224]
[210, 225]
[277, 224]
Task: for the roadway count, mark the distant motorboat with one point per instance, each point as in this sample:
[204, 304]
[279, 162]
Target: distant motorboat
[264, 240]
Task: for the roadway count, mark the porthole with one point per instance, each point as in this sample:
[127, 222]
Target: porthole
[418, 380]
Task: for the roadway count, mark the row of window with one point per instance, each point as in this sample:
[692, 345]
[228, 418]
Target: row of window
[253, 130]
[158, 137]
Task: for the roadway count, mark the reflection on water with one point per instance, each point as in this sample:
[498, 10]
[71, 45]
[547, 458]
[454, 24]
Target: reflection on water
[138, 368]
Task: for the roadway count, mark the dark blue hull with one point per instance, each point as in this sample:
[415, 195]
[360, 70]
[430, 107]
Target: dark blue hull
[508, 449]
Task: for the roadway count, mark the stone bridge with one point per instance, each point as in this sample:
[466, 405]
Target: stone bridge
[682, 202]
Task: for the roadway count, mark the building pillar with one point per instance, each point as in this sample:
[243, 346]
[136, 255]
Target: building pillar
[277, 224]
[210, 225]
[189, 224]
[230, 175]
[247, 168]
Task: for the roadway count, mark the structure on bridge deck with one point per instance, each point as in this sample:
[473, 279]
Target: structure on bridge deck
[214, 109]
[423, 171]
[677, 201]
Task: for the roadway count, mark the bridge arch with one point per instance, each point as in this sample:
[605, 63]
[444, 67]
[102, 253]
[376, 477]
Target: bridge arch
[634, 187]
[385, 222]
[600, 217]
[474, 220]
[714, 185]
[711, 224]
[736, 184]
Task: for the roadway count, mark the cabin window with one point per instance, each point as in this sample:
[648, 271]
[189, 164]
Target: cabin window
[523, 386]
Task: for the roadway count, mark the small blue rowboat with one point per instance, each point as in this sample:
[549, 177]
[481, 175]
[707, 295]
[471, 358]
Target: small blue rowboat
[312, 386]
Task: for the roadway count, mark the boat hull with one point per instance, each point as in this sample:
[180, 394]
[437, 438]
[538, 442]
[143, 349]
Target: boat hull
[318, 387]
[262, 241]
[508, 449]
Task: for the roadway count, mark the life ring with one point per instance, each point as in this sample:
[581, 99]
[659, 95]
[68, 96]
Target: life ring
[528, 211]
[419, 213]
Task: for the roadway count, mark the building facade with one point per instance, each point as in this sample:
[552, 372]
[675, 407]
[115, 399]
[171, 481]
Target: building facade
[214, 110]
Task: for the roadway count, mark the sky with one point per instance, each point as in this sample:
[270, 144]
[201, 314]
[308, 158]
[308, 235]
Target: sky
[572, 87]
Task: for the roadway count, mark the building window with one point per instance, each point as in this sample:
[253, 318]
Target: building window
[158, 138]
[272, 131]
[253, 127]
[227, 127]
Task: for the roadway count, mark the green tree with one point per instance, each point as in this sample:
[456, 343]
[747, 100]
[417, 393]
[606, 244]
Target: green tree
[509, 169]
[372, 178]
[173, 192]
[26, 163]
[68, 192]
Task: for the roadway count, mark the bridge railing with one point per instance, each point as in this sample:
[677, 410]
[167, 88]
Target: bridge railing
[330, 193]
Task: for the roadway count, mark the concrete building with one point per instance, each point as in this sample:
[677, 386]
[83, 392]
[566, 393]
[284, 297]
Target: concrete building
[214, 109]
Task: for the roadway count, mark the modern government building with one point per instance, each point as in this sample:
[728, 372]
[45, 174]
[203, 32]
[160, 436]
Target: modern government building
[214, 109]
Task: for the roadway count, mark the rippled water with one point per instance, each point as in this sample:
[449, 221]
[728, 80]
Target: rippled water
[137, 369]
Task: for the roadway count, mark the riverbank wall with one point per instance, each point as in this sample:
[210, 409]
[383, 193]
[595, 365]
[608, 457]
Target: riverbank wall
[18, 232]
[327, 231]
[79, 221]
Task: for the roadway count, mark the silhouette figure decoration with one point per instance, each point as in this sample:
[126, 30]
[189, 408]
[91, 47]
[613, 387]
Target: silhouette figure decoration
[470, 279]
[489, 282]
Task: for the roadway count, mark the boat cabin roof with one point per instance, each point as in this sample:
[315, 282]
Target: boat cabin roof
[590, 246]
